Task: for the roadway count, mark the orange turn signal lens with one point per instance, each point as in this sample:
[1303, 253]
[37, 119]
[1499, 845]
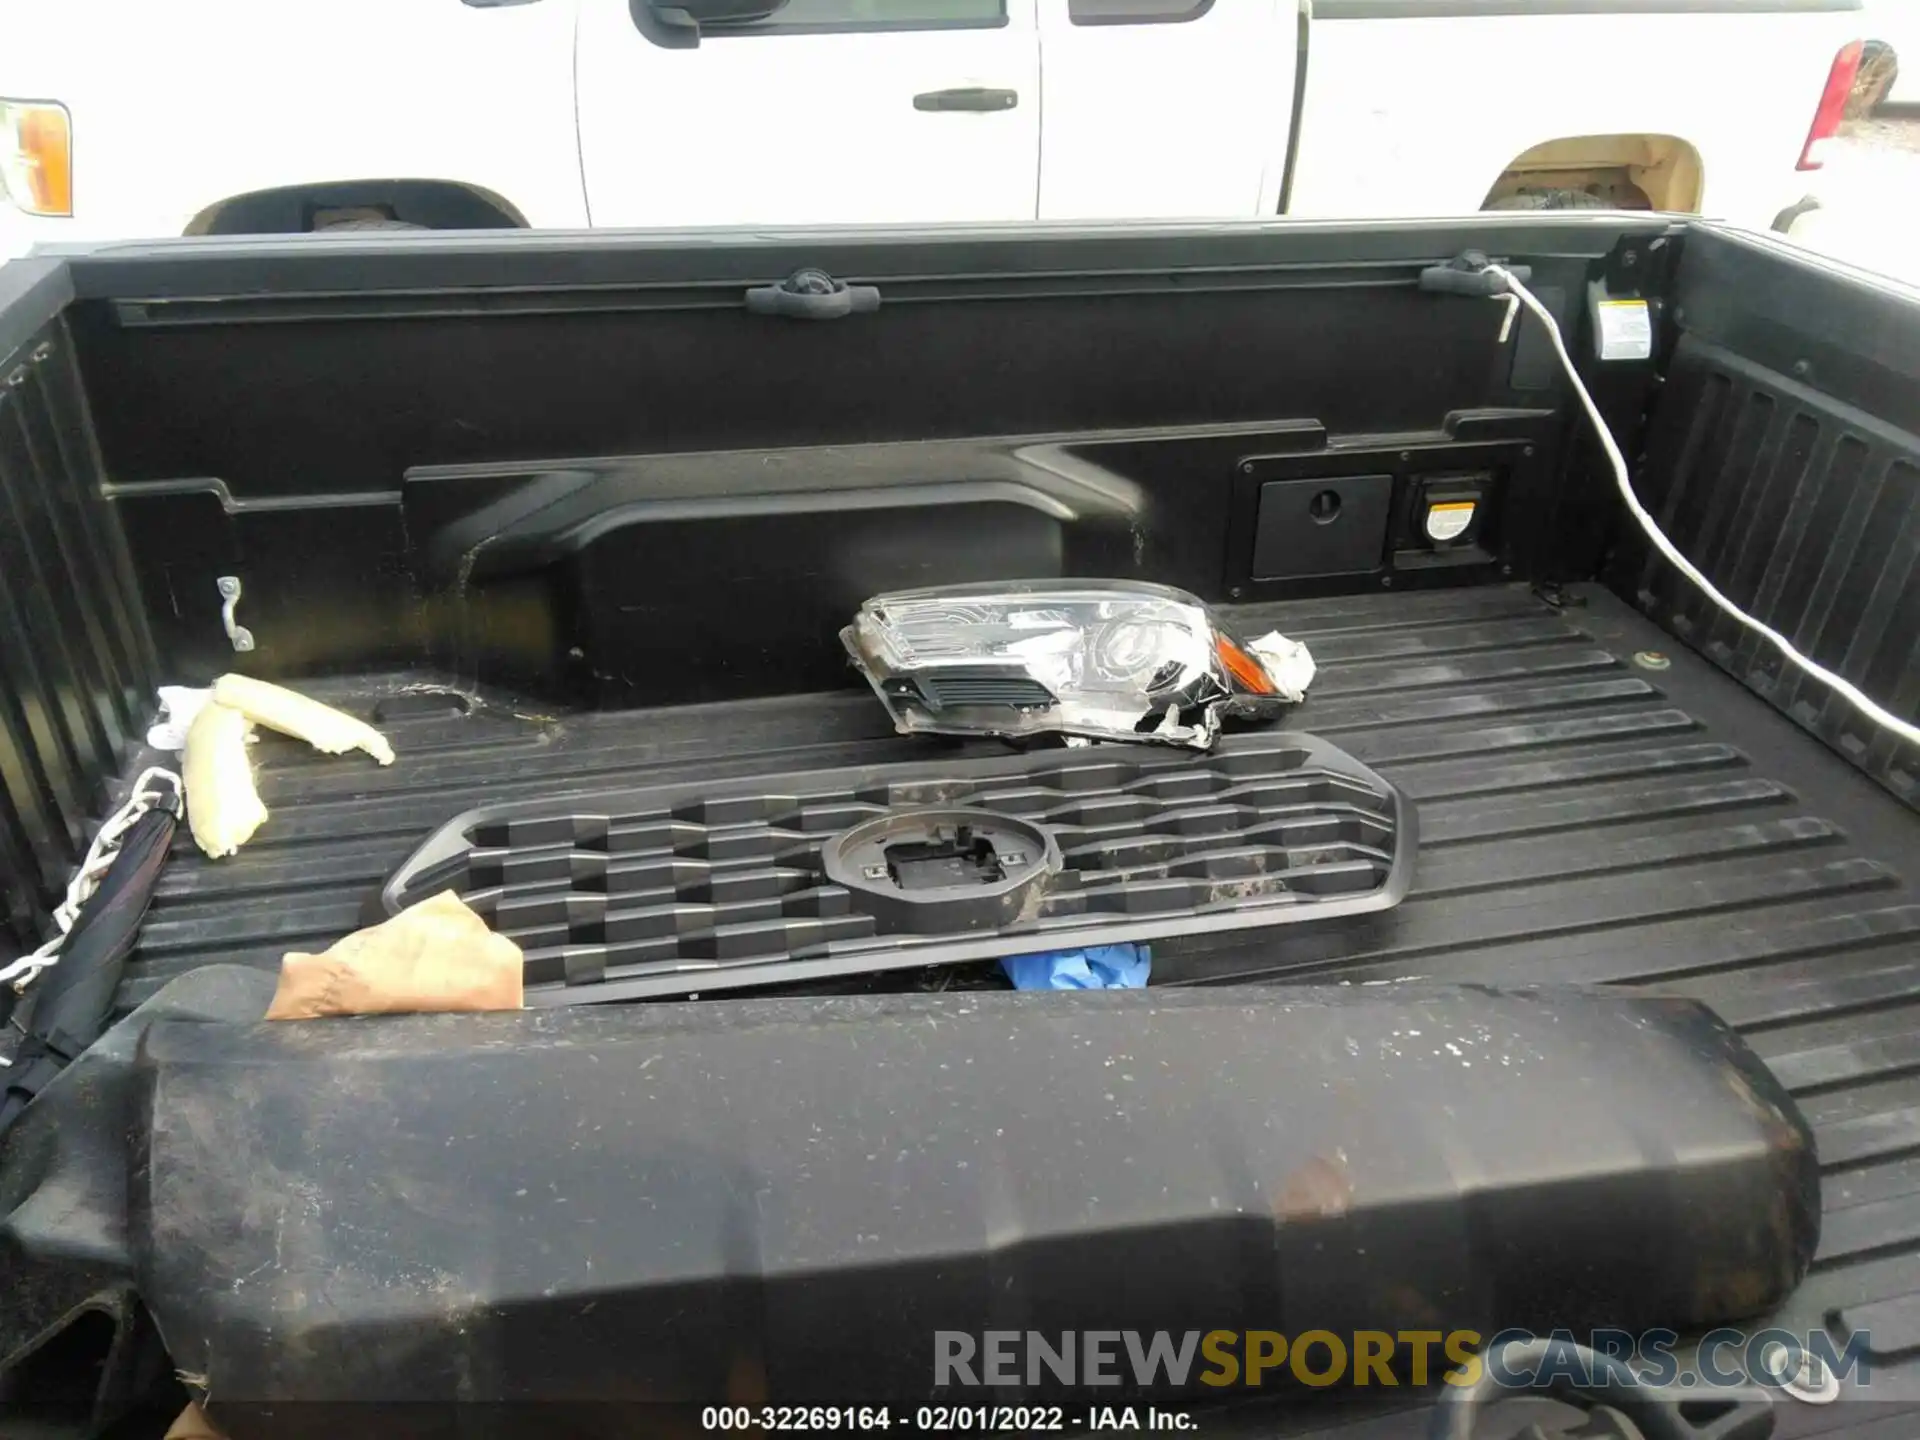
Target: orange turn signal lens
[1243, 667]
[36, 157]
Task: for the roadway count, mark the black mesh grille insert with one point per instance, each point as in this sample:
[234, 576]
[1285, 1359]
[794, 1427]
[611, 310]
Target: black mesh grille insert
[664, 891]
[952, 689]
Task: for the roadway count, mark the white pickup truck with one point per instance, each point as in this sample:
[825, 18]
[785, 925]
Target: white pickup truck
[1895, 25]
[127, 119]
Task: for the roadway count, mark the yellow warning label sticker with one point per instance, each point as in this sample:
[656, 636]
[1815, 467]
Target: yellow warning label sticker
[1449, 519]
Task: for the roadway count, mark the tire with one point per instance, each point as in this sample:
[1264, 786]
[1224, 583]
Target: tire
[1548, 200]
[1870, 88]
[365, 225]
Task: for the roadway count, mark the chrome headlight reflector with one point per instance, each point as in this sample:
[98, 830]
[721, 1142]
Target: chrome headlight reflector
[1103, 659]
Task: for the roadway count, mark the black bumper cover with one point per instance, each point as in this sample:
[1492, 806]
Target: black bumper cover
[785, 1200]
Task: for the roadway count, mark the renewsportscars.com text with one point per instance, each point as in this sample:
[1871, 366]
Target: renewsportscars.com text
[1149, 1360]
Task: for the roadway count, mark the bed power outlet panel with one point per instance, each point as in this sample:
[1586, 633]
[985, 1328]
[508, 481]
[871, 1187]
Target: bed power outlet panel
[1321, 525]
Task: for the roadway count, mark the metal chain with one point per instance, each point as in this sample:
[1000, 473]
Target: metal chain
[100, 857]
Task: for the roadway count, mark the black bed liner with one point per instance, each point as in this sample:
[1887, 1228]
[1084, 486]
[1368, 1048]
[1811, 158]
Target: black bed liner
[1585, 816]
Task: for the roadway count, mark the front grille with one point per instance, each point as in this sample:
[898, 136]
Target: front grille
[681, 888]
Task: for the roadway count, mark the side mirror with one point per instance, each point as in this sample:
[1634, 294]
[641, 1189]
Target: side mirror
[676, 24]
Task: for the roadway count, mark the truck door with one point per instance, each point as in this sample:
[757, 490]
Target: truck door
[809, 112]
[1166, 109]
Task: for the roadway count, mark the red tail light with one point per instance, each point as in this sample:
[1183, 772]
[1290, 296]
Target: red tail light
[1833, 105]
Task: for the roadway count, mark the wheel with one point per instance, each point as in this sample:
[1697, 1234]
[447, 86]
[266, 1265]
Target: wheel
[1870, 86]
[1544, 199]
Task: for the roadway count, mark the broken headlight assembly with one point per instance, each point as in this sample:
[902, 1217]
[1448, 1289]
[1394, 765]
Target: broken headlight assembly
[1104, 660]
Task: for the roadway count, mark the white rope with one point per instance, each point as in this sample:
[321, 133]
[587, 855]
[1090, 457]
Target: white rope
[1851, 693]
[100, 857]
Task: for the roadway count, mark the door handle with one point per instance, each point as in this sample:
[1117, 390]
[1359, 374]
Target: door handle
[967, 97]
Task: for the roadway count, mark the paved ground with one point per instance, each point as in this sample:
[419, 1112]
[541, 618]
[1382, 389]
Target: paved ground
[1870, 197]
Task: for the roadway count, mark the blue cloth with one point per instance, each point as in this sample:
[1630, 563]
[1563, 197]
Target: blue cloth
[1098, 967]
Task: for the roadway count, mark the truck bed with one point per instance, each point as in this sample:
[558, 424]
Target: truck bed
[1586, 816]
